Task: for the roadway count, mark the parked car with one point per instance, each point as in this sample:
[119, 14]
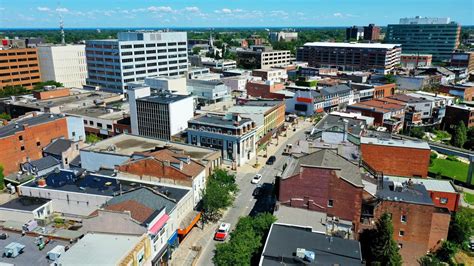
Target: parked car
[257, 191]
[222, 232]
[271, 160]
[256, 179]
[3, 236]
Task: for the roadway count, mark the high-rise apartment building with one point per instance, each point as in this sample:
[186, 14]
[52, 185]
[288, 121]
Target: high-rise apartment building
[19, 67]
[371, 32]
[436, 36]
[63, 63]
[159, 115]
[376, 57]
[134, 56]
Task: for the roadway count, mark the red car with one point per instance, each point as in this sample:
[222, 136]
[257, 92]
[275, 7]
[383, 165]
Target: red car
[222, 232]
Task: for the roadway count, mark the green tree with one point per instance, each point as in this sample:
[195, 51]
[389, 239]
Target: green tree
[40, 85]
[91, 138]
[245, 240]
[461, 227]
[5, 116]
[459, 135]
[446, 251]
[218, 194]
[196, 50]
[378, 244]
[470, 139]
[2, 184]
[417, 132]
[13, 90]
[389, 78]
[429, 260]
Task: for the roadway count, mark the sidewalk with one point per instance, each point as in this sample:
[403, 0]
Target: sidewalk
[272, 148]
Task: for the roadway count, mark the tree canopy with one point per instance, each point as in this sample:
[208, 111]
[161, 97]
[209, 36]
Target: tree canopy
[245, 240]
[218, 194]
[461, 227]
[40, 85]
[378, 244]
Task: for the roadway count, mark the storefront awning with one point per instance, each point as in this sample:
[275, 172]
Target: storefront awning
[159, 224]
[184, 231]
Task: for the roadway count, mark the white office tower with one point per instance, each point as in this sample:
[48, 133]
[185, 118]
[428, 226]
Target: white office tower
[134, 56]
[159, 115]
[63, 63]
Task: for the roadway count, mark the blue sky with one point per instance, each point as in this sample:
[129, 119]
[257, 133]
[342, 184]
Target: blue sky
[224, 13]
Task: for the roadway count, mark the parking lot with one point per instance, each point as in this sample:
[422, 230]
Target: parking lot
[31, 254]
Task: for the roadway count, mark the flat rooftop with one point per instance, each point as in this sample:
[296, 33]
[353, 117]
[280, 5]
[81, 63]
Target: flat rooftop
[415, 144]
[78, 98]
[31, 255]
[126, 144]
[219, 120]
[353, 45]
[404, 192]
[24, 203]
[283, 240]
[99, 112]
[302, 217]
[95, 184]
[163, 98]
[430, 184]
[99, 249]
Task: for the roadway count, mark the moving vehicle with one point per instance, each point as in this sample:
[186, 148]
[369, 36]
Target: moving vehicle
[222, 232]
[256, 179]
[271, 160]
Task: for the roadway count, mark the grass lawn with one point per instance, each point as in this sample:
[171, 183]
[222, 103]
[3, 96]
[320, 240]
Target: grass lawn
[469, 198]
[453, 169]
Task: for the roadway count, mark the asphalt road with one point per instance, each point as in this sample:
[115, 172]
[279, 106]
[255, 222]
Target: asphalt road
[246, 204]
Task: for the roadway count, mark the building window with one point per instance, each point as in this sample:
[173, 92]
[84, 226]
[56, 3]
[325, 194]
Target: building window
[443, 200]
[403, 218]
[99, 125]
[400, 245]
[22, 148]
[330, 203]
[20, 138]
[401, 233]
[38, 143]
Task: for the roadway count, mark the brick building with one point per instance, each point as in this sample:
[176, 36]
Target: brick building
[19, 67]
[465, 60]
[51, 93]
[167, 166]
[411, 61]
[323, 181]
[463, 91]
[380, 110]
[442, 192]
[457, 113]
[396, 157]
[418, 225]
[25, 139]
[266, 89]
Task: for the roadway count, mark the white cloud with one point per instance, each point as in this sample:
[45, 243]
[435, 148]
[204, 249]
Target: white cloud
[338, 15]
[226, 11]
[43, 9]
[160, 9]
[193, 9]
[62, 9]
[2, 8]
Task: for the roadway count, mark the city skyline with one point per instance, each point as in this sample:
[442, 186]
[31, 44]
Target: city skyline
[264, 13]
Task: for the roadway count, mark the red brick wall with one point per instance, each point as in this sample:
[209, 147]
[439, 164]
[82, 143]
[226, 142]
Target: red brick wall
[439, 229]
[41, 95]
[417, 228]
[265, 90]
[453, 200]
[398, 161]
[11, 155]
[316, 186]
[152, 170]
